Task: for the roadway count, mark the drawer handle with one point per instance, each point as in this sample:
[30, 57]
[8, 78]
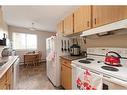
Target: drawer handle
[95, 72]
[65, 62]
[106, 76]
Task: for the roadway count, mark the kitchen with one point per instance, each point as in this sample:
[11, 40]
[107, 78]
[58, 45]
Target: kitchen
[88, 50]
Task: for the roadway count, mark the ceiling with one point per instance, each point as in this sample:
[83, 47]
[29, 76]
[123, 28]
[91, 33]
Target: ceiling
[44, 17]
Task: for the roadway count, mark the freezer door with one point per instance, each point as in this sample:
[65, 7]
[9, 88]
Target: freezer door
[51, 60]
[48, 46]
[51, 44]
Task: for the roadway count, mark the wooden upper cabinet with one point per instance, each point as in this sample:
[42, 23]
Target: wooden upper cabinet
[60, 27]
[107, 14]
[68, 25]
[87, 17]
[82, 18]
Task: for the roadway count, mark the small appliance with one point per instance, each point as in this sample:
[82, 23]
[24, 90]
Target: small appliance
[75, 50]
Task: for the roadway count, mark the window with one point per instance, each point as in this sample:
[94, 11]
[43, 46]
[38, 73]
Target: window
[24, 41]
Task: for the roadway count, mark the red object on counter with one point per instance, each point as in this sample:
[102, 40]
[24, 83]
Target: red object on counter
[112, 60]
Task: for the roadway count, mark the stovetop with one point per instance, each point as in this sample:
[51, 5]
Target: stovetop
[118, 72]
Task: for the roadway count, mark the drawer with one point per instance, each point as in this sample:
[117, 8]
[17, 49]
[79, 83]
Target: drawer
[66, 62]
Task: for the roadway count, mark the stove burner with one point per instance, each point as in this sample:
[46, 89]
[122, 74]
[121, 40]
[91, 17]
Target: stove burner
[113, 65]
[84, 61]
[110, 68]
[90, 59]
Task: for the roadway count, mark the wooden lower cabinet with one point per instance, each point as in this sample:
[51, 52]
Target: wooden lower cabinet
[10, 78]
[6, 81]
[66, 74]
[3, 86]
[3, 83]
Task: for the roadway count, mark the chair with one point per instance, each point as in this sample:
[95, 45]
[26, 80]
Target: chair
[39, 58]
[30, 58]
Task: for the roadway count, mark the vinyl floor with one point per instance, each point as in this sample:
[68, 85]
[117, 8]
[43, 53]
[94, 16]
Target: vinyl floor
[34, 78]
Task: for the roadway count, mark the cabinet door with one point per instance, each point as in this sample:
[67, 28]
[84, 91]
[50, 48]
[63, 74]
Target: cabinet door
[66, 77]
[3, 82]
[108, 14]
[10, 78]
[82, 19]
[60, 27]
[3, 86]
[68, 25]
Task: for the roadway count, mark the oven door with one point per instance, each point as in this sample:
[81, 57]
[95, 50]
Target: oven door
[108, 85]
[83, 80]
[75, 72]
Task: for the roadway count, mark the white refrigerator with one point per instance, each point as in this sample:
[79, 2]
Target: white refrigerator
[54, 47]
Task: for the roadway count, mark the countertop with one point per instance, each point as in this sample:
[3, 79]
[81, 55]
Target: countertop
[71, 58]
[10, 60]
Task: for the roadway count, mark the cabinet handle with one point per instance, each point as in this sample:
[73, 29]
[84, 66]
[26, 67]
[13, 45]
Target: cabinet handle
[61, 68]
[95, 21]
[65, 62]
[88, 23]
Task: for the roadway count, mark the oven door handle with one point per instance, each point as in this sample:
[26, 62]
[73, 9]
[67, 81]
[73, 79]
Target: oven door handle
[95, 72]
[81, 68]
[115, 80]
[107, 77]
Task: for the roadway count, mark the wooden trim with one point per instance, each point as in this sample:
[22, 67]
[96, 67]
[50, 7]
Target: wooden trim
[91, 16]
[73, 23]
[63, 26]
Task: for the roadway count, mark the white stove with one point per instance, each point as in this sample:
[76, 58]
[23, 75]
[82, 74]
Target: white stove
[96, 63]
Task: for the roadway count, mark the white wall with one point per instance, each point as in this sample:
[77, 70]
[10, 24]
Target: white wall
[41, 41]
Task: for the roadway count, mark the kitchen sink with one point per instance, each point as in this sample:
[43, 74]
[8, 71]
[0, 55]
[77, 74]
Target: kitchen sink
[2, 62]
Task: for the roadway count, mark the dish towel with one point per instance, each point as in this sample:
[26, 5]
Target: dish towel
[89, 81]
